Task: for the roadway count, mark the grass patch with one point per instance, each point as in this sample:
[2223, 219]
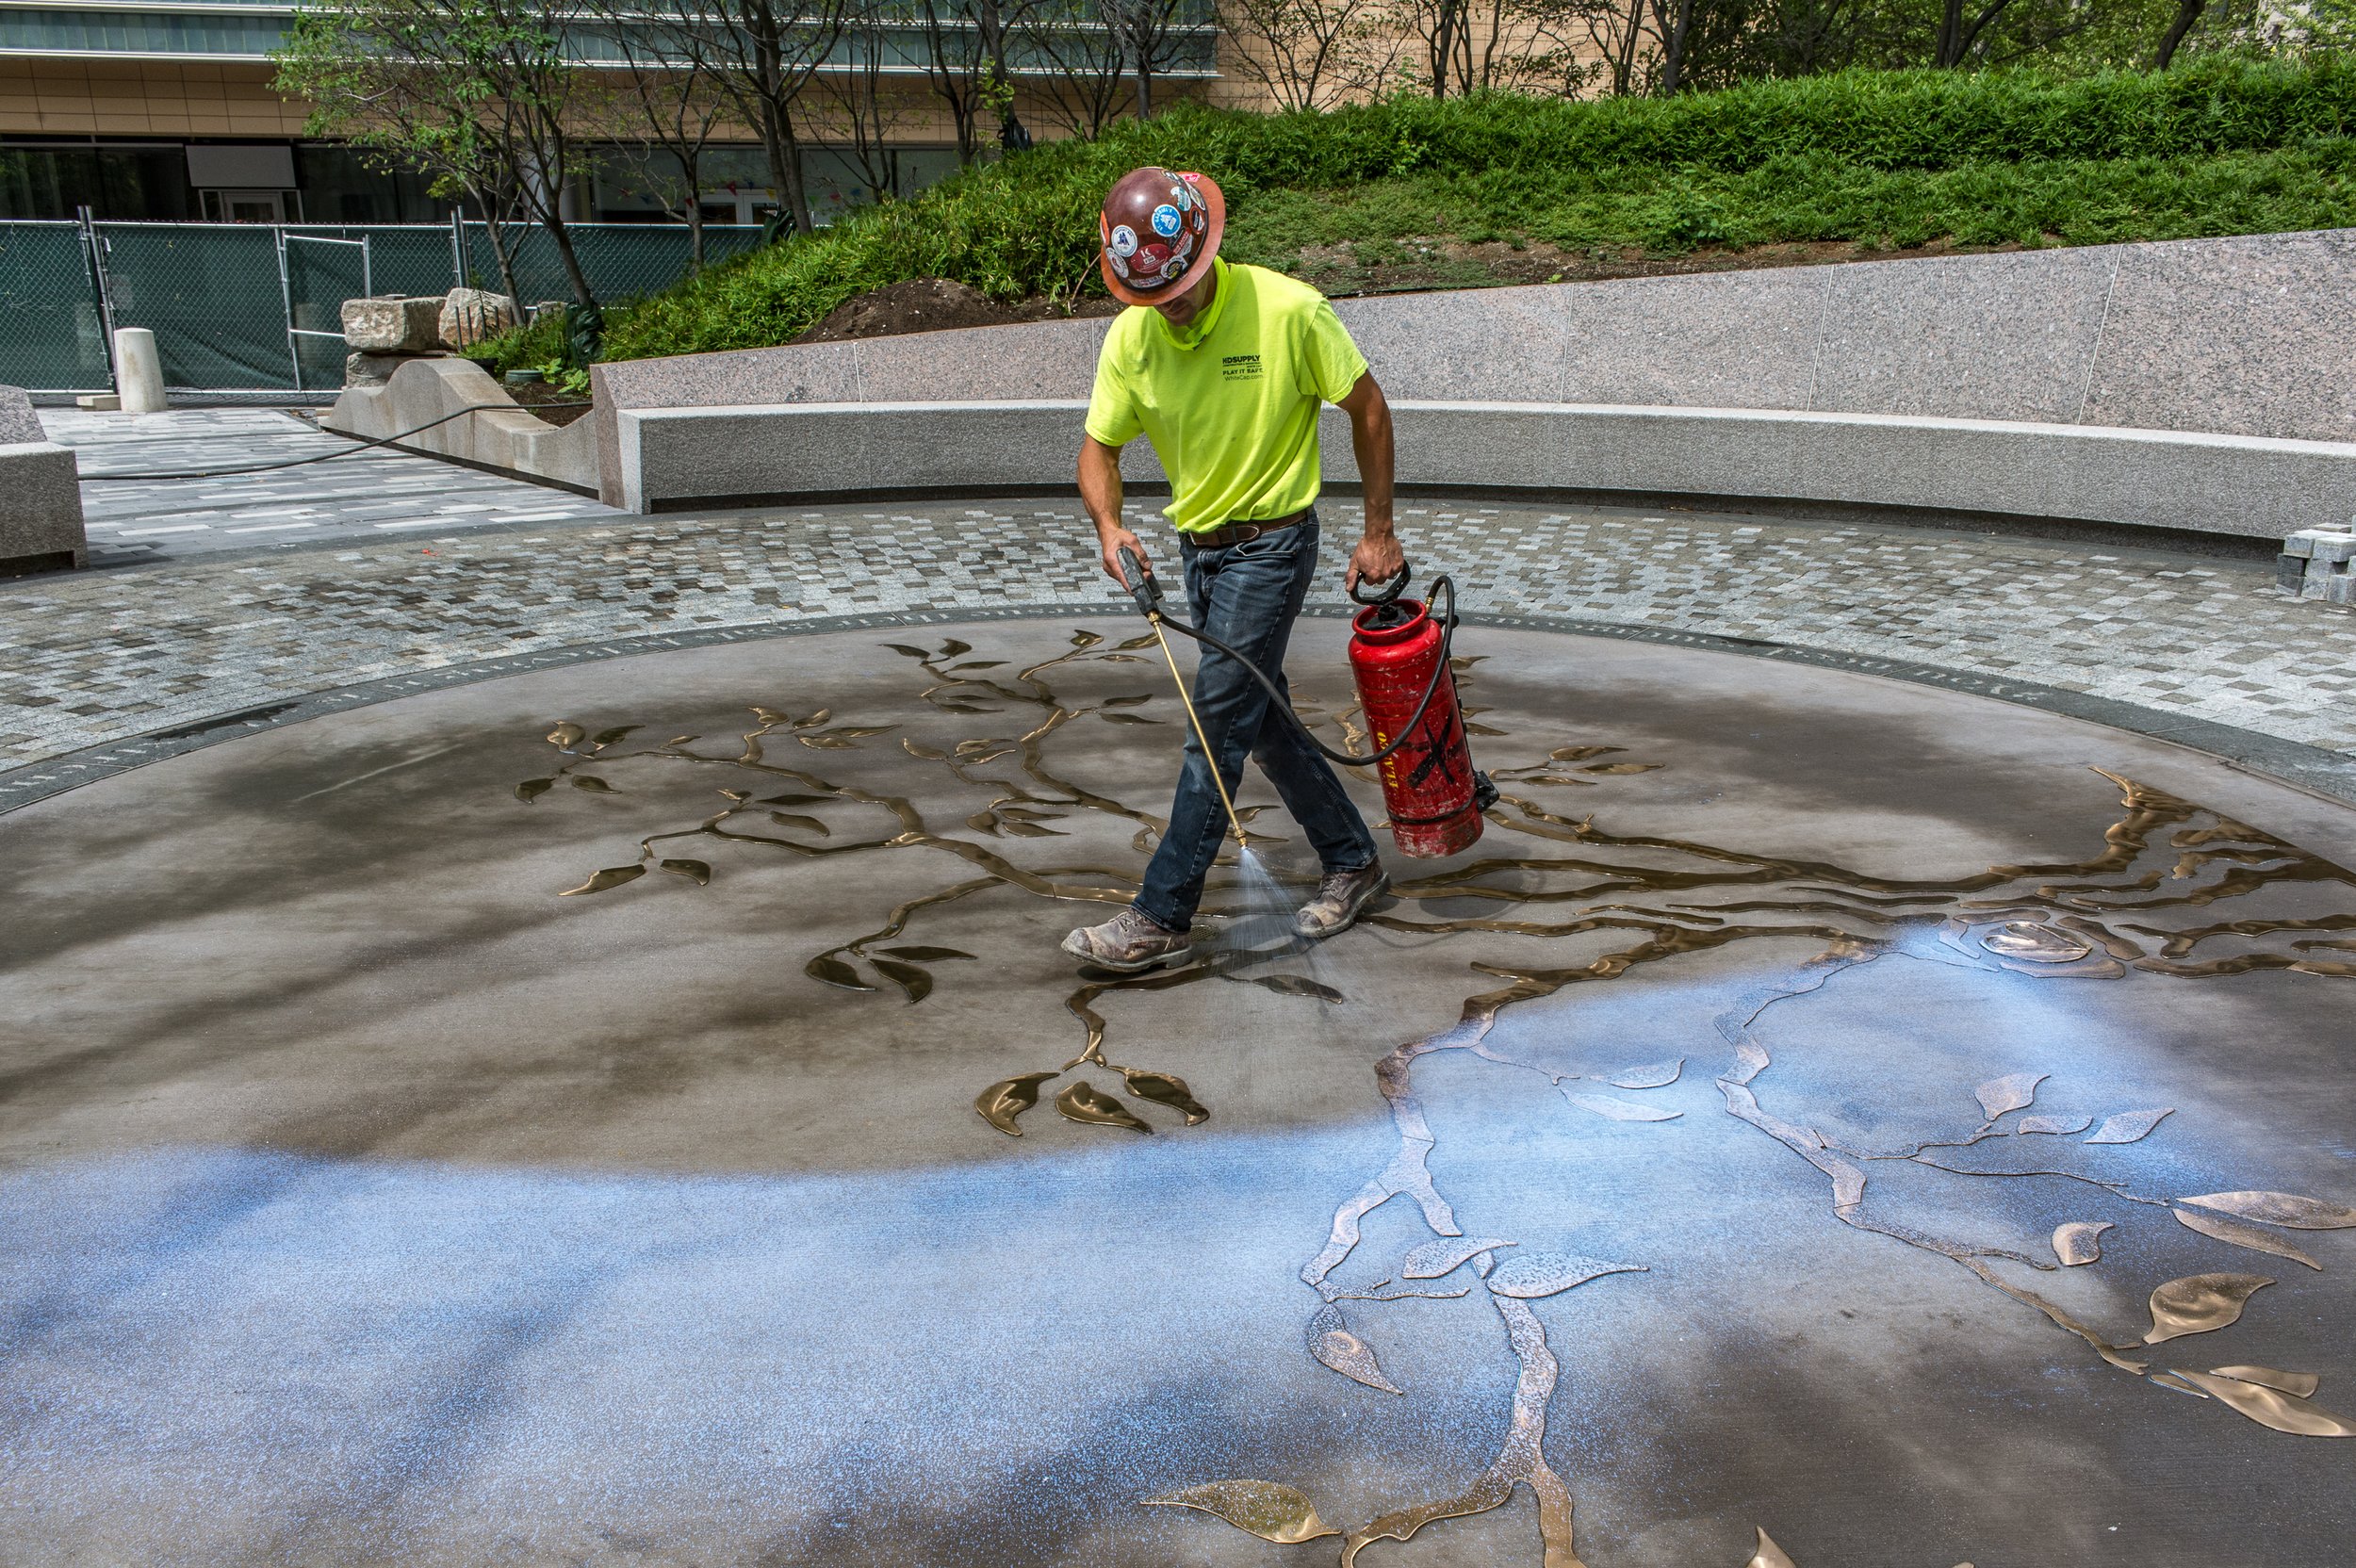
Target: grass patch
[1877, 159]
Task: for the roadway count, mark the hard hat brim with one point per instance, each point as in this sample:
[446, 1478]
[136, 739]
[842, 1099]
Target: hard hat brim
[1213, 199]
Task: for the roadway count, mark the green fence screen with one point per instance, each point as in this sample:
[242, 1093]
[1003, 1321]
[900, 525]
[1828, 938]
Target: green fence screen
[252, 307]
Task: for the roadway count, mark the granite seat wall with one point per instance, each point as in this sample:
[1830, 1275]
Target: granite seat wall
[40, 515]
[2246, 336]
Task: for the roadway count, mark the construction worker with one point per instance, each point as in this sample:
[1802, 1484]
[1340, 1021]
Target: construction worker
[1223, 368]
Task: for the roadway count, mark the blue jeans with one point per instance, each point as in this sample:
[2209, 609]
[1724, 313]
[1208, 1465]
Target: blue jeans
[1247, 596]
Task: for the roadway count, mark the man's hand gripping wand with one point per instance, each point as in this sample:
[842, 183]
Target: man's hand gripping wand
[1148, 593]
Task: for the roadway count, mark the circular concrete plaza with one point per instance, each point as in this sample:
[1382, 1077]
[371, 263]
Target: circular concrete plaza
[634, 1111]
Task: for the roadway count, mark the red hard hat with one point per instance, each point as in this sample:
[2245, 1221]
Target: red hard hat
[1160, 230]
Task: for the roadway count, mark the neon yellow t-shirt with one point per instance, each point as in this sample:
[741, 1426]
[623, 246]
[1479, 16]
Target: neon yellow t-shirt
[1231, 407]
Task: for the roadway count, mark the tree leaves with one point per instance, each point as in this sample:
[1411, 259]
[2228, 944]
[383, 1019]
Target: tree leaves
[1332, 1343]
[566, 735]
[1084, 1102]
[918, 983]
[928, 954]
[831, 971]
[951, 648]
[2129, 1126]
[2079, 1242]
[613, 876]
[1266, 1509]
[2013, 1092]
[1435, 1259]
[2279, 1208]
[592, 783]
[2199, 1304]
[1086, 639]
[619, 732]
[532, 788]
[1000, 1103]
[1769, 1555]
[696, 872]
[2060, 1125]
[1127, 718]
[907, 651]
[2239, 1235]
[1533, 1276]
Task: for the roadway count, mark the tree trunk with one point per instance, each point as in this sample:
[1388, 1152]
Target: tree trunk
[694, 221]
[2187, 12]
[562, 234]
[1624, 68]
[1949, 50]
[1672, 51]
[784, 151]
[503, 251]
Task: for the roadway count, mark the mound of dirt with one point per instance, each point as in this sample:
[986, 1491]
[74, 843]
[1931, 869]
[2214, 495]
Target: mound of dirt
[934, 304]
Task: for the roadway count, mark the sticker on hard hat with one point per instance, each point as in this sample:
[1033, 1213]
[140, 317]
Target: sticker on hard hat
[1166, 220]
[1124, 242]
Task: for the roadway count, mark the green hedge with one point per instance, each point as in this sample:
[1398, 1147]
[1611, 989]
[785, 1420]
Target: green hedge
[1884, 156]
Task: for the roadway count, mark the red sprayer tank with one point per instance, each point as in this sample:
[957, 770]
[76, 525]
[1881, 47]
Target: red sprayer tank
[1428, 783]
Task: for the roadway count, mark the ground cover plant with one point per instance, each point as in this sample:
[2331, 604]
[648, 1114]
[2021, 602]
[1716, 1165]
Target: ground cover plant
[1438, 192]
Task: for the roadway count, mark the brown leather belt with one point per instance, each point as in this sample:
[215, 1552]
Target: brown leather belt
[1241, 533]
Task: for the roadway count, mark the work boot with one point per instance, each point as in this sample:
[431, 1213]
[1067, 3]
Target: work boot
[1342, 897]
[1129, 942]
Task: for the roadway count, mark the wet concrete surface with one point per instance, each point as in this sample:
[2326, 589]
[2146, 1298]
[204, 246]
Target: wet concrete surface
[369, 1201]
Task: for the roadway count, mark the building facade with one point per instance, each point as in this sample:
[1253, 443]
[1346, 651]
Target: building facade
[163, 109]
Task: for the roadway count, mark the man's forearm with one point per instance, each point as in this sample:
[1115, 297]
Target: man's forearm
[1099, 485]
[1370, 439]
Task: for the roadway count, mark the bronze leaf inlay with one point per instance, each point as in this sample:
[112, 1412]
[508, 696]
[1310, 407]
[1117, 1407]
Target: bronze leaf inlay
[1268, 1510]
[2239, 1235]
[2199, 1304]
[2279, 1208]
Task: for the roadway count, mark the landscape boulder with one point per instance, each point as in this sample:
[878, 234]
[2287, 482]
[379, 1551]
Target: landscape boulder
[361, 370]
[469, 315]
[393, 324]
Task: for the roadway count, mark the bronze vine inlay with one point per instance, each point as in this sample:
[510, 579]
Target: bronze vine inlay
[2144, 901]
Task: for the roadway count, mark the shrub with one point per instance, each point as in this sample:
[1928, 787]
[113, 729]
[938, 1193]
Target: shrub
[1897, 158]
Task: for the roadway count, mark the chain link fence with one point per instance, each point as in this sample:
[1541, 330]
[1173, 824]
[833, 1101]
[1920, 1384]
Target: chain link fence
[258, 308]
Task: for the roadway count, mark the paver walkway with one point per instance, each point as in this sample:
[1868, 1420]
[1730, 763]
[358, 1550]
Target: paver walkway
[363, 496]
[100, 657]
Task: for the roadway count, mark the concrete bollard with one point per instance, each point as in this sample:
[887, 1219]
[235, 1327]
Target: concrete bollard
[139, 370]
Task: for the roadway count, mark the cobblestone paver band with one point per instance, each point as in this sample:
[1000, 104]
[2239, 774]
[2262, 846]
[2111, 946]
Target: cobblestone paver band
[94, 659]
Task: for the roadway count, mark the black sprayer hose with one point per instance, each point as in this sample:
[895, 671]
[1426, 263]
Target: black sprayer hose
[1448, 635]
[364, 443]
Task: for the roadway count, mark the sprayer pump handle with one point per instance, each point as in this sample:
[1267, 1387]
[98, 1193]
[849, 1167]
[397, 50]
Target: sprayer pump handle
[1140, 582]
[1385, 591]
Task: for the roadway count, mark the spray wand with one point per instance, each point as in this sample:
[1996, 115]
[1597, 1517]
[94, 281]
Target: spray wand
[1148, 593]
